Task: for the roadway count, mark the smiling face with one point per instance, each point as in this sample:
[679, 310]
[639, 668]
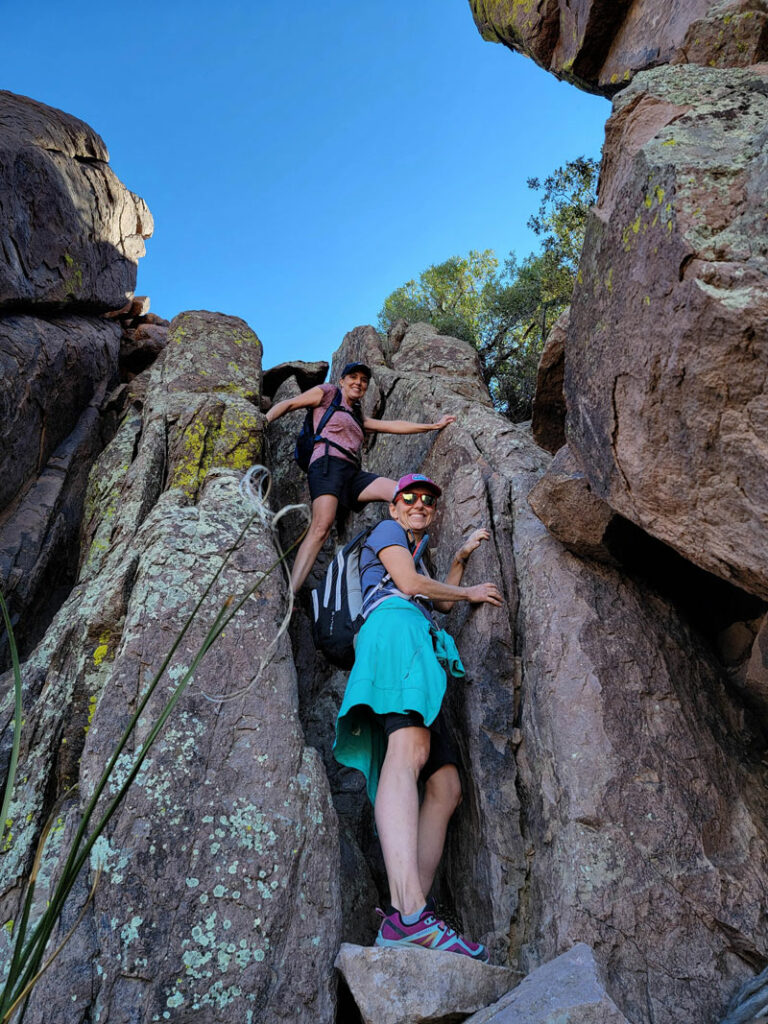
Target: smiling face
[353, 386]
[416, 517]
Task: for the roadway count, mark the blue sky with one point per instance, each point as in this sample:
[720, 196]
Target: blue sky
[303, 160]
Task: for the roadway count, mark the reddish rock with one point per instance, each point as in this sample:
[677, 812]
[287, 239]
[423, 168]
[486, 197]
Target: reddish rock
[564, 502]
[599, 45]
[140, 346]
[548, 420]
[756, 676]
[665, 362]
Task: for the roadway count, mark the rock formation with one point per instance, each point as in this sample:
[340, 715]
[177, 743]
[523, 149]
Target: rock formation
[665, 365]
[613, 832]
[70, 235]
[225, 854]
[600, 45]
[664, 368]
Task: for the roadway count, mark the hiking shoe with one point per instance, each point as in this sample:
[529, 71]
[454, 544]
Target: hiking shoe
[429, 931]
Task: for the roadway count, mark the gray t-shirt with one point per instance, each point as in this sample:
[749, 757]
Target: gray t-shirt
[373, 575]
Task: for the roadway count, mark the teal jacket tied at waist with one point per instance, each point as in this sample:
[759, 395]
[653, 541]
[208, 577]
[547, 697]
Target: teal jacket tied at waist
[400, 665]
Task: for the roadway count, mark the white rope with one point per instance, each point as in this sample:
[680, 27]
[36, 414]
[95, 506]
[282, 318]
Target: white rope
[256, 492]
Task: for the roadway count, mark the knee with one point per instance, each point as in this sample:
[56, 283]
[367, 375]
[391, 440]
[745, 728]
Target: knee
[320, 527]
[410, 747]
[444, 787]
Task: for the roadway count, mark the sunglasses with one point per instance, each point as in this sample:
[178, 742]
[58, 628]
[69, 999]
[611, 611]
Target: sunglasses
[410, 498]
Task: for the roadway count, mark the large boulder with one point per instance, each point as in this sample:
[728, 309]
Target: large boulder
[219, 872]
[567, 990]
[665, 366]
[419, 986]
[599, 45]
[71, 232]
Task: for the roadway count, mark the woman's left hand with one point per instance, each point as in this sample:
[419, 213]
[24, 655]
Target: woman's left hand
[473, 542]
[443, 422]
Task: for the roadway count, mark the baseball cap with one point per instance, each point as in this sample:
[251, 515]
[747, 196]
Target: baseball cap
[355, 368]
[405, 483]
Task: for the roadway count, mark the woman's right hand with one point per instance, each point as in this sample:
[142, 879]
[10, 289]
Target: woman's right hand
[485, 593]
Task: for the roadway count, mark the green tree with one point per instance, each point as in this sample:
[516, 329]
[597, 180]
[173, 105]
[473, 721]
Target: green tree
[507, 313]
[452, 296]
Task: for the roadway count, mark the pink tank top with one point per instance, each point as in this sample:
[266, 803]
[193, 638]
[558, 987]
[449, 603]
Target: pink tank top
[342, 428]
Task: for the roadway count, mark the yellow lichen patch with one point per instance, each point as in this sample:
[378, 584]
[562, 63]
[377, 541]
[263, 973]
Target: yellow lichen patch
[102, 650]
[636, 225]
[609, 279]
[229, 438]
[92, 702]
[669, 142]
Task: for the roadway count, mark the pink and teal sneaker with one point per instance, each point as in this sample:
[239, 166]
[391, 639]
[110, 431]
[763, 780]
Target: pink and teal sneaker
[429, 932]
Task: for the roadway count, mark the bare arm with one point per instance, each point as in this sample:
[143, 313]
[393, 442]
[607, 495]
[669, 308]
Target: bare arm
[405, 426]
[456, 571]
[306, 400]
[399, 564]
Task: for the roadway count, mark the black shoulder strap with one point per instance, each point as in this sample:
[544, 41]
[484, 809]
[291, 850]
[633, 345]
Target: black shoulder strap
[332, 408]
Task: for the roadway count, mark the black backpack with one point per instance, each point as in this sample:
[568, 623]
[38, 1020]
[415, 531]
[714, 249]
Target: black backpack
[308, 436]
[337, 604]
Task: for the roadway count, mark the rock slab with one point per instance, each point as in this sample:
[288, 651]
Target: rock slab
[567, 990]
[419, 986]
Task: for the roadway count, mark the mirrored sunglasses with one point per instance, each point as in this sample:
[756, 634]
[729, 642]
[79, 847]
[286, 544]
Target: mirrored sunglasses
[409, 498]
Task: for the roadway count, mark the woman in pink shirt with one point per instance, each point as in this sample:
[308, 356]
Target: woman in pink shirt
[334, 475]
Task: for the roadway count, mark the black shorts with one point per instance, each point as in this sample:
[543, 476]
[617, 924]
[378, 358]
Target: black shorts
[343, 479]
[441, 748]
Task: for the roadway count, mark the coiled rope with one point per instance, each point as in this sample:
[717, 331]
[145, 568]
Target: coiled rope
[255, 488]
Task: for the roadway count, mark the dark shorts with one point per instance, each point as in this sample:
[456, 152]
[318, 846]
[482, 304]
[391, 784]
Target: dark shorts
[441, 748]
[329, 475]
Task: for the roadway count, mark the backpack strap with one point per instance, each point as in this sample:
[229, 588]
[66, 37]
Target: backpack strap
[335, 406]
[418, 553]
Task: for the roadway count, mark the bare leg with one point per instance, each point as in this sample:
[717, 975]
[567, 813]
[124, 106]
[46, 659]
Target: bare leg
[442, 795]
[397, 815]
[323, 514]
[381, 489]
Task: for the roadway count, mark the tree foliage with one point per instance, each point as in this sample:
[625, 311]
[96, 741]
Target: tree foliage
[507, 312]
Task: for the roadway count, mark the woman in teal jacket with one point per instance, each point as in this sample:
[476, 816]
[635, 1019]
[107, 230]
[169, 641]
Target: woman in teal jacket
[389, 724]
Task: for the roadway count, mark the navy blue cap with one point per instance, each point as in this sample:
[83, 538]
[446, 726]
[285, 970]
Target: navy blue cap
[355, 367]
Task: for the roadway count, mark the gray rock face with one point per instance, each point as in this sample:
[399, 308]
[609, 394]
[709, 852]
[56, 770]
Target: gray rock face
[567, 990]
[665, 370]
[599, 45]
[418, 986]
[50, 371]
[71, 233]
[54, 377]
[219, 895]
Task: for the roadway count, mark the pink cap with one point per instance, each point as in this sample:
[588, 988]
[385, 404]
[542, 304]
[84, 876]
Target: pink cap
[405, 483]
